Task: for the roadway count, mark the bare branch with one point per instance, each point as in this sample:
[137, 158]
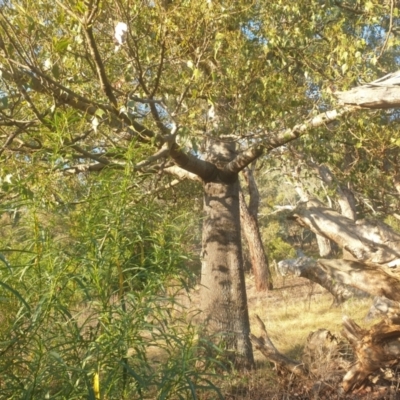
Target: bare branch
[190, 163]
[104, 82]
[244, 159]
[273, 141]
[380, 94]
[162, 153]
[92, 156]
[12, 136]
[90, 168]
[181, 174]
[267, 348]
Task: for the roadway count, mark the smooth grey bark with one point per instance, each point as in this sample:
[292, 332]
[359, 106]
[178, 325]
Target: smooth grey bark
[344, 278]
[368, 278]
[324, 244]
[345, 197]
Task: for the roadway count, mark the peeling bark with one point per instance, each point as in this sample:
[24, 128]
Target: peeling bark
[309, 268]
[376, 348]
[324, 246]
[368, 242]
[380, 94]
[368, 278]
[345, 278]
[383, 306]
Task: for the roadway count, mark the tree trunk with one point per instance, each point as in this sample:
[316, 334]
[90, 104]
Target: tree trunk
[224, 301]
[324, 244]
[249, 218]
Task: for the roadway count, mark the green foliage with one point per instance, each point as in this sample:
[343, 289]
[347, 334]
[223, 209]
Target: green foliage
[276, 242]
[87, 261]
[393, 222]
[92, 287]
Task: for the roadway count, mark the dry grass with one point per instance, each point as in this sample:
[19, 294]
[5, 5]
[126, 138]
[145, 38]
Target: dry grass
[297, 307]
[290, 312]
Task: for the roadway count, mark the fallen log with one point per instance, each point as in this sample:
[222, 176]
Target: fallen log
[382, 306]
[368, 278]
[372, 358]
[309, 268]
[367, 241]
[344, 278]
[374, 349]
[267, 348]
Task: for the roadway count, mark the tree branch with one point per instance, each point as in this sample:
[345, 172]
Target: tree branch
[288, 135]
[67, 96]
[87, 154]
[242, 160]
[267, 348]
[363, 277]
[191, 163]
[389, 30]
[162, 153]
[380, 94]
[181, 174]
[90, 168]
[269, 142]
[104, 82]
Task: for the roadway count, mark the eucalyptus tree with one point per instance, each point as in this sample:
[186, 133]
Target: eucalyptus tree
[200, 88]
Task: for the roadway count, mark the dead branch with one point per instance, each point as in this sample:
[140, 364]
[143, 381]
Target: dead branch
[267, 348]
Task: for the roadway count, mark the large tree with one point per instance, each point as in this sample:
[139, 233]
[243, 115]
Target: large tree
[202, 89]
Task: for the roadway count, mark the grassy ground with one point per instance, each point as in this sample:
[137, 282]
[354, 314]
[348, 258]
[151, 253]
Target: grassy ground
[290, 312]
[297, 307]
